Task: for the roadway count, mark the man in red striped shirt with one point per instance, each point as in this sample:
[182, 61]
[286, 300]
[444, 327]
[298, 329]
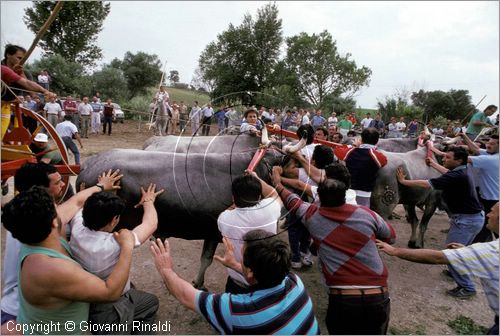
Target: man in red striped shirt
[344, 236]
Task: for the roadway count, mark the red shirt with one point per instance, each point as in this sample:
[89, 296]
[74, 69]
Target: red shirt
[71, 105]
[352, 119]
[9, 76]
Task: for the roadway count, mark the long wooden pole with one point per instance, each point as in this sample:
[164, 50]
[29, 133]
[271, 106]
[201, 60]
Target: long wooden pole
[42, 31]
[467, 116]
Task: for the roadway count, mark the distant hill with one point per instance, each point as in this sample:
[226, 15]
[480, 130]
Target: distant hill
[188, 96]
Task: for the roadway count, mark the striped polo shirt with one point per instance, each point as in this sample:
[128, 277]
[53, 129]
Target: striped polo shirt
[480, 260]
[282, 309]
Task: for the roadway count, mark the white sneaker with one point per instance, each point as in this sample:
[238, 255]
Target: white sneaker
[296, 265]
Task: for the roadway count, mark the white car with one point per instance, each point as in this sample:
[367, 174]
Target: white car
[119, 114]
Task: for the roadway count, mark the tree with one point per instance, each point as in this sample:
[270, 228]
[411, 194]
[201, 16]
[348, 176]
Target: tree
[398, 105]
[243, 57]
[455, 104]
[140, 70]
[174, 77]
[73, 34]
[338, 104]
[110, 83]
[320, 70]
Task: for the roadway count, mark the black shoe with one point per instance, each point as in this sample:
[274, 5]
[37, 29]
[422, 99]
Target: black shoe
[460, 293]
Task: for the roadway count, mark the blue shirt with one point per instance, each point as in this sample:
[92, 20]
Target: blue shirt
[220, 115]
[96, 107]
[283, 309]
[487, 164]
[317, 121]
[30, 105]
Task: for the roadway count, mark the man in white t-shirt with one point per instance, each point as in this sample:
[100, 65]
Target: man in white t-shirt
[400, 127]
[95, 248]
[67, 130]
[256, 206]
[53, 111]
[365, 123]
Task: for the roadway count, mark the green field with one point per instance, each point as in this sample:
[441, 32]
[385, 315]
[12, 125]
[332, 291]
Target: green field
[188, 96]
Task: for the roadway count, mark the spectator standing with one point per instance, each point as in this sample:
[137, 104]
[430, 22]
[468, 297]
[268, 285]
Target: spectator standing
[266, 309]
[480, 260]
[70, 107]
[174, 121]
[480, 120]
[207, 114]
[400, 127]
[345, 236]
[220, 116]
[464, 209]
[345, 125]
[28, 122]
[363, 163]
[332, 120]
[183, 116]
[304, 120]
[486, 163]
[255, 207]
[352, 118]
[392, 129]
[43, 79]
[365, 123]
[412, 128]
[95, 119]
[287, 121]
[378, 124]
[195, 116]
[108, 114]
[53, 111]
[67, 130]
[318, 120]
[84, 112]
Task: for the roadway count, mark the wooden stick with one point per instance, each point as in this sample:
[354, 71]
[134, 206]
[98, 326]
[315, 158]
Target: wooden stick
[472, 110]
[42, 31]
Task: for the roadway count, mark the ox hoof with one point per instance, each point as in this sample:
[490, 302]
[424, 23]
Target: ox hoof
[413, 245]
[198, 286]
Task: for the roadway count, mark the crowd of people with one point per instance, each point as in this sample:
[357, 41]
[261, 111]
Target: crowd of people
[67, 262]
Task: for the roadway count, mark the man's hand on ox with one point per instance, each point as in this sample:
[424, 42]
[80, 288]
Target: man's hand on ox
[400, 174]
[125, 239]
[149, 195]
[276, 176]
[453, 246]
[161, 255]
[110, 180]
[228, 259]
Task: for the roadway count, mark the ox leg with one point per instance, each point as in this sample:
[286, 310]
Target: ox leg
[207, 255]
[426, 217]
[412, 218]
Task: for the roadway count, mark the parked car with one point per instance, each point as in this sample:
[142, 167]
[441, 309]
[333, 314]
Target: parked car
[119, 114]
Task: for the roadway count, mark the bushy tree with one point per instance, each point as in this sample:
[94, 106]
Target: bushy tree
[455, 104]
[173, 77]
[140, 70]
[321, 70]
[110, 83]
[243, 57]
[340, 105]
[73, 34]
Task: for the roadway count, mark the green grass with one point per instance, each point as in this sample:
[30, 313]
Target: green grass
[187, 96]
[463, 325]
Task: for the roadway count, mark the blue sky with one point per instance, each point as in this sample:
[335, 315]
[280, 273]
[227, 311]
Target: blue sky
[428, 45]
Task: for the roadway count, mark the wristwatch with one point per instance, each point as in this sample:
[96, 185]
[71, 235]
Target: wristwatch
[100, 185]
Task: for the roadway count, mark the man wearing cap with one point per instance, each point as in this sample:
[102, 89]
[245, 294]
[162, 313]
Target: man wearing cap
[44, 152]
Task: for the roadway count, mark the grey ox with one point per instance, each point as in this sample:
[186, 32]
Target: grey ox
[388, 192]
[197, 185]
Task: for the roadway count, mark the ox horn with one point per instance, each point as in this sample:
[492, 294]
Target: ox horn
[451, 141]
[295, 148]
[264, 139]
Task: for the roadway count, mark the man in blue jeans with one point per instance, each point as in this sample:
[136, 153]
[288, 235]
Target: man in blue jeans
[465, 211]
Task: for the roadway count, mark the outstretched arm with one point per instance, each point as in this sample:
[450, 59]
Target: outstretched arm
[150, 217]
[424, 256]
[411, 183]
[178, 287]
